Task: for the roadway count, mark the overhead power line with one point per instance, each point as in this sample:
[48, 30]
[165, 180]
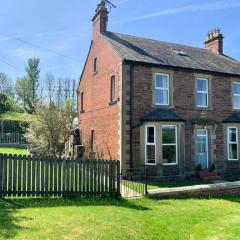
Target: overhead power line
[11, 65]
[37, 46]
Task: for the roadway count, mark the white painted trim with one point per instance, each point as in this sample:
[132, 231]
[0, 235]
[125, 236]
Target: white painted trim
[162, 88]
[172, 144]
[150, 144]
[204, 92]
[228, 143]
[235, 95]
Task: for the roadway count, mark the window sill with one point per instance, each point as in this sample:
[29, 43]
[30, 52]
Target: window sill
[170, 164]
[113, 103]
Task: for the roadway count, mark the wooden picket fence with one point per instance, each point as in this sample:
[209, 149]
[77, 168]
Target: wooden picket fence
[40, 176]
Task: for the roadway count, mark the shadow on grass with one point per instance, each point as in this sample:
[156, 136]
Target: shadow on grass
[19, 203]
[9, 223]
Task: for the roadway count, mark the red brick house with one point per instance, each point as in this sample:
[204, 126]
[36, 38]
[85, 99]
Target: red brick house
[168, 106]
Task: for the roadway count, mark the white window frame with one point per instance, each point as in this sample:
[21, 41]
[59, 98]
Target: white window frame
[203, 92]
[162, 89]
[171, 144]
[150, 144]
[230, 143]
[235, 95]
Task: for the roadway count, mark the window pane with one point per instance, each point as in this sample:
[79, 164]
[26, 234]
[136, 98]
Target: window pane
[150, 154]
[169, 154]
[168, 135]
[150, 135]
[236, 88]
[201, 85]
[202, 99]
[161, 81]
[161, 97]
[236, 102]
[233, 135]
[233, 151]
[113, 88]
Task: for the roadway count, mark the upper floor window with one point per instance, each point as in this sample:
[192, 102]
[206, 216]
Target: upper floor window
[202, 92]
[81, 102]
[162, 89]
[113, 94]
[169, 145]
[232, 143]
[93, 147]
[95, 66]
[150, 145]
[236, 95]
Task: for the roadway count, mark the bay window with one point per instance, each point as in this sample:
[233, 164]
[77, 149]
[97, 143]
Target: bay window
[169, 145]
[150, 145]
[232, 143]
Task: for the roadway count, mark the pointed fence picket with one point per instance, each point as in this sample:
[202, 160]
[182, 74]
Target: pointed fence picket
[36, 176]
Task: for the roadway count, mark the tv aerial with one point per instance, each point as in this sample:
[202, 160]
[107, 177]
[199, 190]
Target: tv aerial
[110, 4]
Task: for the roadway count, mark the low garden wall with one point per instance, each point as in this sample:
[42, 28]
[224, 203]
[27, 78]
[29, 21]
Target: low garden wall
[210, 190]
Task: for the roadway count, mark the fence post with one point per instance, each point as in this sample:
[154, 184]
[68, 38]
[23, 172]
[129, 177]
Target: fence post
[146, 182]
[118, 179]
[1, 176]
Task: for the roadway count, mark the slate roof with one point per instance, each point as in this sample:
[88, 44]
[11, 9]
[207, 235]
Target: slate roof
[162, 115]
[144, 50]
[234, 118]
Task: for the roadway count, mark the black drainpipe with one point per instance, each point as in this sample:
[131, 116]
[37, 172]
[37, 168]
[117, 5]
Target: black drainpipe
[131, 118]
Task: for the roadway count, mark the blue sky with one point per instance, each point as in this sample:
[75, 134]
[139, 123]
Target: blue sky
[59, 32]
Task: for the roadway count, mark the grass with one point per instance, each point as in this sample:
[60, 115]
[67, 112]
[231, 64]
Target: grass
[12, 150]
[139, 187]
[12, 116]
[173, 184]
[193, 219]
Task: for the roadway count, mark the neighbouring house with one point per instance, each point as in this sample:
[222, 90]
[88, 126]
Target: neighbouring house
[164, 105]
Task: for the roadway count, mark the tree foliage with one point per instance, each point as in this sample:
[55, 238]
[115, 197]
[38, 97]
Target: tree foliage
[50, 127]
[26, 87]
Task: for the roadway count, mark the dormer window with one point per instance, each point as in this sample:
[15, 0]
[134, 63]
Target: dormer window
[95, 66]
[161, 89]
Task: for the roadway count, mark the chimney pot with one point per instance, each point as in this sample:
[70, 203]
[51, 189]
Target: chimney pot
[214, 41]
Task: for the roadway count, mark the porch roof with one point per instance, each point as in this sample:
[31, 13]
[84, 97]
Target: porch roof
[160, 114]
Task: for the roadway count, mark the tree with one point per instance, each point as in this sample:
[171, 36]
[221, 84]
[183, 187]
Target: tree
[26, 87]
[50, 127]
[6, 85]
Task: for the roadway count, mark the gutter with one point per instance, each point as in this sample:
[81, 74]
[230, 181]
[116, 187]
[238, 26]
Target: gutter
[131, 111]
[182, 68]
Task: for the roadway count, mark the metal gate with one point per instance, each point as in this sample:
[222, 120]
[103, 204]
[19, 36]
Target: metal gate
[134, 182]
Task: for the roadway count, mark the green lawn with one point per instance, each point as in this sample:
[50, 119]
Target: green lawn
[139, 187]
[173, 184]
[194, 219]
[8, 150]
[12, 116]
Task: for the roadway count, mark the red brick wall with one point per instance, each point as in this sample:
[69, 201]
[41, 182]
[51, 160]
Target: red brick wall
[98, 114]
[184, 103]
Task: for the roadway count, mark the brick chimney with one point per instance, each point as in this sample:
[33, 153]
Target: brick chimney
[214, 41]
[100, 19]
